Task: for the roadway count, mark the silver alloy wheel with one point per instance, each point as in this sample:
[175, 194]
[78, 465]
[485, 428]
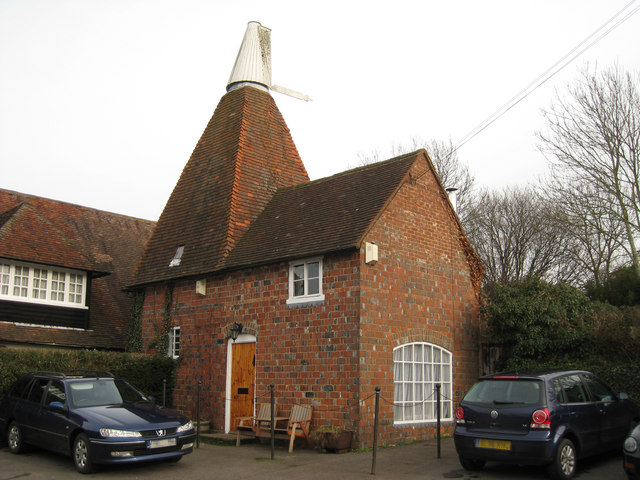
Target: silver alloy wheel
[568, 460]
[14, 437]
[80, 454]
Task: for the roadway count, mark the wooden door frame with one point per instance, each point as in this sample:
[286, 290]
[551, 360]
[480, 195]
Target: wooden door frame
[243, 338]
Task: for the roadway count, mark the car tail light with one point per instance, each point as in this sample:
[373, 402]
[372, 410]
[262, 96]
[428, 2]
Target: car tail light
[459, 415]
[541, 419]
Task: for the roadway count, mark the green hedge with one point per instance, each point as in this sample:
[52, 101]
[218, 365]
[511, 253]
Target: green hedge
[144, 371]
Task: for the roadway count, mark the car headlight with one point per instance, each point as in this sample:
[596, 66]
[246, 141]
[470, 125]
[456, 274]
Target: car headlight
[630, 445]
[185, 427]
[112, 432]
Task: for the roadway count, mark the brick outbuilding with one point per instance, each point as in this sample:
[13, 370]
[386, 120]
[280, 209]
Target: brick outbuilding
[360, 280]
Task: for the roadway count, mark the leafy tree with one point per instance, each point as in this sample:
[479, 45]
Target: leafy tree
[622, 288]
[533, 319]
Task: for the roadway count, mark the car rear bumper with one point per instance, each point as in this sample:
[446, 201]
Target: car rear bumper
[535, 448]
[108, 451]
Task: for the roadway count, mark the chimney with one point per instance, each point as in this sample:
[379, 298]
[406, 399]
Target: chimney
[453, 197]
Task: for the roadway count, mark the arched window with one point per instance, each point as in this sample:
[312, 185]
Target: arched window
[417, 368]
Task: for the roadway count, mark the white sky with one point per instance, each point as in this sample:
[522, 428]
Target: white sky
[103, 101]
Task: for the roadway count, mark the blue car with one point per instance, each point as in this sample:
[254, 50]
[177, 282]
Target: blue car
[95, 418]
[551, 419]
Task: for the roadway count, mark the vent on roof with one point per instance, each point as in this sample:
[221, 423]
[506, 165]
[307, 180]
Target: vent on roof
[177, 258]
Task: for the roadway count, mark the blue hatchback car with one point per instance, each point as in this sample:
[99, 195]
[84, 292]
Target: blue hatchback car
[95, 418]
[550, 418]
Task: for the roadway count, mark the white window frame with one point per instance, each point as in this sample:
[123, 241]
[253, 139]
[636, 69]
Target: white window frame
[15, 277]
[417, 368]
[305, 298]
[174, 343]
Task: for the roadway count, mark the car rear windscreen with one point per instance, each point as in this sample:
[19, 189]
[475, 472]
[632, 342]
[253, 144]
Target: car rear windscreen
[507, 392]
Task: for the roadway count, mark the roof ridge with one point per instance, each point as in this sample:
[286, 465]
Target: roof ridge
[227, 243]
[25, 197]
[355, 170]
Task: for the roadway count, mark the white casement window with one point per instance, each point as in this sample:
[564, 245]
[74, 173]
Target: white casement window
[5, 272]
[23, 282]
[305, 281]
[174, 342]
[417, 369]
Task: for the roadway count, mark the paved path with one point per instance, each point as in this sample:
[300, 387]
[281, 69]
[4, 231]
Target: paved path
[253, 461]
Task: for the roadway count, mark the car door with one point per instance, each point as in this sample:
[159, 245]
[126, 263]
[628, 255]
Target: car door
[27, 411]
[582, 412]
[614, 419]
[54, 421]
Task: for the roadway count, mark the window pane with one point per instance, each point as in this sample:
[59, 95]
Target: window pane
[314, 286]
[5, 275]
[298, 272]
[313, 269]
[417, 353]
[408, 353]
[298, 280]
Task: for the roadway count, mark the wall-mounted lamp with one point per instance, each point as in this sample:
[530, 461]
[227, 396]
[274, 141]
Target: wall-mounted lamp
[236, 330]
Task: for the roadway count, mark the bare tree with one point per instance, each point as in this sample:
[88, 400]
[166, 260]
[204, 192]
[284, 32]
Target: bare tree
[519, 234]
[593, 141]
[594, 233]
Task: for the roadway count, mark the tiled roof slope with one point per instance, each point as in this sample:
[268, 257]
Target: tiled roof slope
[322, 216]
[244, 155]
[40, 230]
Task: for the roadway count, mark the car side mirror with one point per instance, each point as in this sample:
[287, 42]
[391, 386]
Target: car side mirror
[152, 399]
[623, 396]
[56, 406]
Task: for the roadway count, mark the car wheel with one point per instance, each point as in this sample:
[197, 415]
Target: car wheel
[471, 464]
[82, 454]
[565, 463]
[14, 438]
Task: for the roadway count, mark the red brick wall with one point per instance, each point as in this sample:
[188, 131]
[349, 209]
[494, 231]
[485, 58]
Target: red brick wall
[309, 353]
[333, 355]
[419, 291]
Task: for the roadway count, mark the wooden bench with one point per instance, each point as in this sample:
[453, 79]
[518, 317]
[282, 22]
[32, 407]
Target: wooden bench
[254, 425]
[298, 424]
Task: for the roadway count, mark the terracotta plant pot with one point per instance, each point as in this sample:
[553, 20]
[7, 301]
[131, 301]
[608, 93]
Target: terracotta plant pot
[337, 442]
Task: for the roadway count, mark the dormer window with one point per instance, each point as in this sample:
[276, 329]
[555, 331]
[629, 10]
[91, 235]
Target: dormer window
[24, 282]
[177, 258]
[305, 281]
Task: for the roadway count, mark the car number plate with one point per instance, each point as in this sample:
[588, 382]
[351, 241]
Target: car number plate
[493, 444]
[165, 442]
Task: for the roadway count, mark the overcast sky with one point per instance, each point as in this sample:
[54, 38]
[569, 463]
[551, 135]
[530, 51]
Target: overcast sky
[103, 101]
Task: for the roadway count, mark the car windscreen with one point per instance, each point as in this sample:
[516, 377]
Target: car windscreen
[100, 392]
[507, 392]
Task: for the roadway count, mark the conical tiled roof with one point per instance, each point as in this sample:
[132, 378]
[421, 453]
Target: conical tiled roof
[244, 155]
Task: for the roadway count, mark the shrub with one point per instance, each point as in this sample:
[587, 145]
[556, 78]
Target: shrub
[144, 371]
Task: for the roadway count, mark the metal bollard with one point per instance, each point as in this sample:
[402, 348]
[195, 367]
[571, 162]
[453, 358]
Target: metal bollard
[375, 432]
[164, 392]
[198, 415]
[438, 416]
[273, 440]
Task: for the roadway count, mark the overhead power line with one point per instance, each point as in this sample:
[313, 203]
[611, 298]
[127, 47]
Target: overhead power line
[550, 72]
